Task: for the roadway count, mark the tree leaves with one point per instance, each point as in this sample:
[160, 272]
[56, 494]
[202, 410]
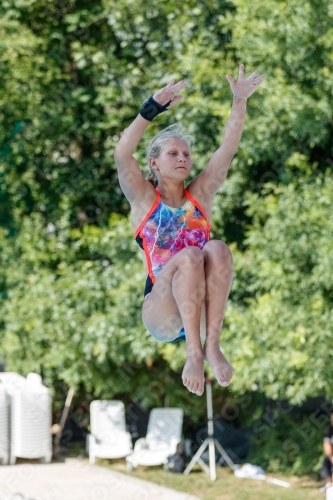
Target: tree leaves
[73, 76]
[288, 312]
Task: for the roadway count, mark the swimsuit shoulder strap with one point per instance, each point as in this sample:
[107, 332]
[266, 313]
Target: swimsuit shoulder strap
[154, 205]
[194, 201]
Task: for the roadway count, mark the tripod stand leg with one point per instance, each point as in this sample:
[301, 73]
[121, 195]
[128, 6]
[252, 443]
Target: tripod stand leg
[212, 463]
[224, 455]
[203, 465]
[196, 457]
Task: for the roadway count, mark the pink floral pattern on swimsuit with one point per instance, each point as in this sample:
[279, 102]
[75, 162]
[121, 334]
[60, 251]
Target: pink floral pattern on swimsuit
[168, 230]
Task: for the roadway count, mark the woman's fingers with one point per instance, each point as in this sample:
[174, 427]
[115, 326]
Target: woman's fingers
[257, 81]
[167, 93]
[244, 87]
[177, 87]
[170, 84]
[175, 101]
[252, 75]
[230, 79]
[241, 72]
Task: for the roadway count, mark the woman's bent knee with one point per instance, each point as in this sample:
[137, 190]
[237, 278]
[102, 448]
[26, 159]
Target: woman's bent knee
[218, 249]
[191, 256]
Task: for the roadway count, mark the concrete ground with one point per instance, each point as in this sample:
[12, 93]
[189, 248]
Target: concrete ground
[77, 480]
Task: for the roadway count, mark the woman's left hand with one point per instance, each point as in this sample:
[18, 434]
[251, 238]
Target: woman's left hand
[244, 87]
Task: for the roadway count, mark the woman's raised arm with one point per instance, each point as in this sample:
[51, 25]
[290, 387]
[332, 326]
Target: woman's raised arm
[211, 179]
[131, 180]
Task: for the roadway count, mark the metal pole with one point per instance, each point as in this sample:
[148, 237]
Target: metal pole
[210, 441]
[210, 428]
[210, 424]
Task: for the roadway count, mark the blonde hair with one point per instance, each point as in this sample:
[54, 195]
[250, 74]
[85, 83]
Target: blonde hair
[157, 144]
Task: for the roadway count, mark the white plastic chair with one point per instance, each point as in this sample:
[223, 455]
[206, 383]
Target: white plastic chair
[163, 436]
[4, 426]
[108, 438]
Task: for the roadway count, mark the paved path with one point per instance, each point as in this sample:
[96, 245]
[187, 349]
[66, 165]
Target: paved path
[77, 480]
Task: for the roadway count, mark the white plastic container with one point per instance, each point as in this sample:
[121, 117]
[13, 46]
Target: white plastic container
[30, 417]
[4, 426]
[11, 381]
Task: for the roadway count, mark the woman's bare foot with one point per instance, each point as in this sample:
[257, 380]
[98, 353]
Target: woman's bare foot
[193, 373]
[222, 370]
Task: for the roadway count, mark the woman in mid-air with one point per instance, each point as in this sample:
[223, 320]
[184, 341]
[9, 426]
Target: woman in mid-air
[189, 276]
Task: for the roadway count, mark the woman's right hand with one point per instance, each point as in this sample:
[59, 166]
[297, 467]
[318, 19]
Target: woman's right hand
[167, 93]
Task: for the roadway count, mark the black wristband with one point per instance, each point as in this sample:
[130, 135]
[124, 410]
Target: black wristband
[151, 108]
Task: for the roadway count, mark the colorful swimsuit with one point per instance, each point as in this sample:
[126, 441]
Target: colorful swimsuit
[167, 230]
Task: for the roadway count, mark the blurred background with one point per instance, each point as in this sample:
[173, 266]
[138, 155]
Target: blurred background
[73, 75]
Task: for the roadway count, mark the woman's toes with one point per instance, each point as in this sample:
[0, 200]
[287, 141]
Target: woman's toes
[199, 391]
[226, 378]
[223, 382]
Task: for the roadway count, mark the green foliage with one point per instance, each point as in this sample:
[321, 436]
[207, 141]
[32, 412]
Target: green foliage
[71, 309]
[73, 79]
[286, 311]
[73, 76]
[68, 306]
[284, 448]
[291, 114]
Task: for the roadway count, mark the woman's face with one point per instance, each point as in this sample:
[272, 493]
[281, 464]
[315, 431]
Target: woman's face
[174, 161]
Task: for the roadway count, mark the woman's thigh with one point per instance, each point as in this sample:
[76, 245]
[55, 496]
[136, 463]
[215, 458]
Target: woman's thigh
[160, 311]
